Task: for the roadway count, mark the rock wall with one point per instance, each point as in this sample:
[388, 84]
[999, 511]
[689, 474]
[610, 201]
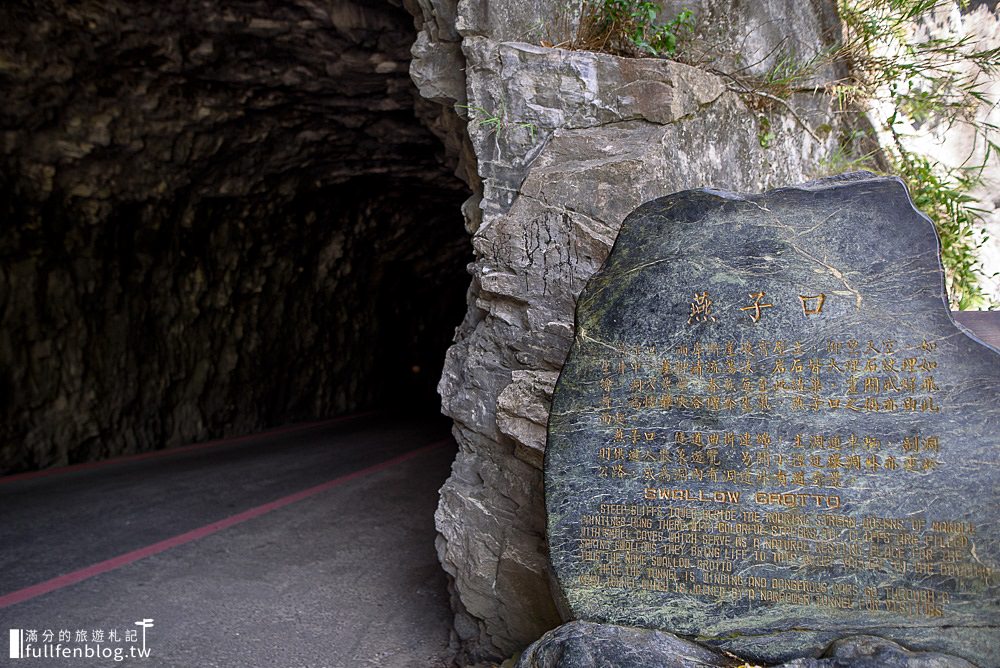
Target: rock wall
[207, 207]
[566, 144]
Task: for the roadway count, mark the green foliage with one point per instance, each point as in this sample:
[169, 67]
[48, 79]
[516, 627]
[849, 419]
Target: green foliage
[885, 54]
[789, 71]
[944, 196]
[765, 135]
[925, 79]
[630, 28]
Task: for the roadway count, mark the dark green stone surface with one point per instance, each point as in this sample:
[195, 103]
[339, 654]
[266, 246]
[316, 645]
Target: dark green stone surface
[813, 475]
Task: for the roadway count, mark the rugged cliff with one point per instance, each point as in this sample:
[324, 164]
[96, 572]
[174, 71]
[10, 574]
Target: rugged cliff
[566, 144]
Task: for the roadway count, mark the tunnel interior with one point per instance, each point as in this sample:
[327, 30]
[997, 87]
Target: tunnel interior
[218, 217]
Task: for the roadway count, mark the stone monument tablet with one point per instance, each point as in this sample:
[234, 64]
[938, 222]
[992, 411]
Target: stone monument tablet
[770, 433]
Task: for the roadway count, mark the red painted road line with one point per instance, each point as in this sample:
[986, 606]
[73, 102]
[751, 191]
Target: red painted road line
[180, 450]
[68, 579]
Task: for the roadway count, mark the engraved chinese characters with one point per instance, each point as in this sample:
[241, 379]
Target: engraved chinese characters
[770, 434]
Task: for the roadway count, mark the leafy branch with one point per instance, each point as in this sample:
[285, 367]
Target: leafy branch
[893, 62]
[925, 79]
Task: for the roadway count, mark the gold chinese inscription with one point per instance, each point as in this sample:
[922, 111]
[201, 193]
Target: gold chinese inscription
[774, 496]
[773, 375]
[701, 308]
[812, 305]
[757, 305]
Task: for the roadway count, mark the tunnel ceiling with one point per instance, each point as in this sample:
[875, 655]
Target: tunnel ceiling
[137, 101]
[219, 216]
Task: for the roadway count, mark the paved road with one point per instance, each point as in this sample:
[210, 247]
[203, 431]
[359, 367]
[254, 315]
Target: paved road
[304, 547]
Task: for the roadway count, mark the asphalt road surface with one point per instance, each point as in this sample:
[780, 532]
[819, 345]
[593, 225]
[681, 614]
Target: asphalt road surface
[309, 546]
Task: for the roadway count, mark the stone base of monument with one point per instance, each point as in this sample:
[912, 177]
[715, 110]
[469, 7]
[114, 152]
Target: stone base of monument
[590, 645]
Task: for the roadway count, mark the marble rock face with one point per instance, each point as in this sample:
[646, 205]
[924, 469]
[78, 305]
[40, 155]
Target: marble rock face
[770, 433]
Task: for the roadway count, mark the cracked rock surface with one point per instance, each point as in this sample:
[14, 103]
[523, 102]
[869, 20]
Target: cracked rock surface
[565, 143]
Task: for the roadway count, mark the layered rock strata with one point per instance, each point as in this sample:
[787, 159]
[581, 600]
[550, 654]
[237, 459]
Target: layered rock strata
[566, 144]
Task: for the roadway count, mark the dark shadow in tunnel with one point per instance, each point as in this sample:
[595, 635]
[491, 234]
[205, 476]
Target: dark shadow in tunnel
[419, 295]
[416, 320]
[282, 240]
[390, 256]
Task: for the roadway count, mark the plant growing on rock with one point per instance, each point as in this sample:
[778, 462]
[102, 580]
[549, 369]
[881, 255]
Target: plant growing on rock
[895, 62]
[497, 122]
[630, 28]
[899, 76]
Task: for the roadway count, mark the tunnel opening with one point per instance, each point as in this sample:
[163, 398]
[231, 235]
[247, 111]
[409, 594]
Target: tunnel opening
[417, 309]
[218, 219]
